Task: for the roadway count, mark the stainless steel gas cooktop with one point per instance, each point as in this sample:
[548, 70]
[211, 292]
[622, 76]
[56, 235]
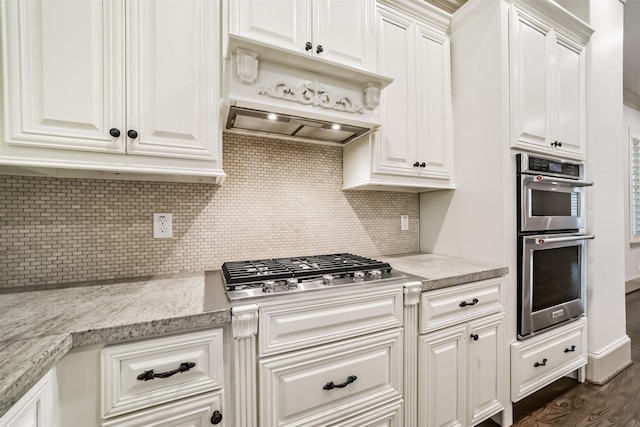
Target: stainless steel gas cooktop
[266, 277]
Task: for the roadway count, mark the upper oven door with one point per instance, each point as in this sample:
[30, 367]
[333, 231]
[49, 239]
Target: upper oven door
[551, 203]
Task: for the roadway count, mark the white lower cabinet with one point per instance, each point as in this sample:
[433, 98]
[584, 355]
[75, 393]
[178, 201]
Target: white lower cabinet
[36, 407]
[461, 363]
[332, 361]
[542, 359]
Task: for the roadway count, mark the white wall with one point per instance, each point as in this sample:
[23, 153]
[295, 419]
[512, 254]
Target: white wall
[609, 346]
[632, 252]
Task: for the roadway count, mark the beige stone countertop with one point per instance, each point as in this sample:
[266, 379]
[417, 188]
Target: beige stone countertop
[441, 271]
[38, 328]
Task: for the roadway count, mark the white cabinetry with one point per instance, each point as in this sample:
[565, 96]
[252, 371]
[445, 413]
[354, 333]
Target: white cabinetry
[461, 359]
[337, 30]
[413, 151]
[542, 359]
[547, 84]
[332, 361]
[112, 93]
[36, 407]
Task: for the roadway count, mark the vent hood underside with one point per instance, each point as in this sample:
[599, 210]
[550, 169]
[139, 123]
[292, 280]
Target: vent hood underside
[244, 119]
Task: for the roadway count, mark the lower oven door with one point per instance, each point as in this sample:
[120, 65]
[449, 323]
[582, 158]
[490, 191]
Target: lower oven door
[550, 203]
[551, 287]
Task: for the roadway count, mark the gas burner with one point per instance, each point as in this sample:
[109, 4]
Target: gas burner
[248, 279]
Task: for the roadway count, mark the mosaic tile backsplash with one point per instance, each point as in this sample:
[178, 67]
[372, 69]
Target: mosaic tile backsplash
[280, 199]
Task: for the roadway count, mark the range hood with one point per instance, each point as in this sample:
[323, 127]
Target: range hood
[262, 122]
[276, 93]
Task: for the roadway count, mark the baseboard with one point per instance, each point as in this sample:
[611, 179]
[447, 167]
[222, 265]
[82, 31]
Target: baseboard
[610, 361]
[632, 284]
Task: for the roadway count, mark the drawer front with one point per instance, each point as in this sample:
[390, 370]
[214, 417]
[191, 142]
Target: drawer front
[450, 306]
[389, 415]
[124, 390]
[286, 327]
[322, 385]
[543, 359]
[190, 412]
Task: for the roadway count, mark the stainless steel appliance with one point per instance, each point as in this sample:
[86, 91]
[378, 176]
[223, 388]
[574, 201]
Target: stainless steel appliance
[551, 242]
[551, 194]
[269, 277]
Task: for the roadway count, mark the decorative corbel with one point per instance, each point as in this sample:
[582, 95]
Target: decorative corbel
[371, 95]
[246, 65]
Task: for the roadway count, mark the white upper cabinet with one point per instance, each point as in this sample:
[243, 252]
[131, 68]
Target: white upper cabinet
[547, 86]
[413, 151]
[103, 86]
[336, 30]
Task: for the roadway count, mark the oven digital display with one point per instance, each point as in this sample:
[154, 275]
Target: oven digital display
[555, 167]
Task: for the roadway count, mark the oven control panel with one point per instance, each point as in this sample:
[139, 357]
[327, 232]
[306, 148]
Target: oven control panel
[534, 165]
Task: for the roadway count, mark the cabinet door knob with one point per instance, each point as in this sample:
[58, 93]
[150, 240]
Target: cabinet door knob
[544, 363]
[557, 144]
[308, 46]
[114, 132]
[132, 134]
[475, 337]
[319, 49]
[423, 165]
[416, 164]
[216, 417]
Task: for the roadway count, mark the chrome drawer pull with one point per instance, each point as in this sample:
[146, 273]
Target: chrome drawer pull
[544, 363]
[567, 350]
[474, 302]
[149, 375]
[330, 385]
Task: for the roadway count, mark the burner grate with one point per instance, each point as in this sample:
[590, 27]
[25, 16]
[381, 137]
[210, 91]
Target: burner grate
[247, 272]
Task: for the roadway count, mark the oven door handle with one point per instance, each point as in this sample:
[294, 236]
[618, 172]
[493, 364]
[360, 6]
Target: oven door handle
[573, 182]
[542, 241]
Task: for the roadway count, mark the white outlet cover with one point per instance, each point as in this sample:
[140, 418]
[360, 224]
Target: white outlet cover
[162, 225]
[404, 222]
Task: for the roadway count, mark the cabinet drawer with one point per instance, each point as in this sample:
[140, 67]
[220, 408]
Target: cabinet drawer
[193, 411]
[296, 388]
[450, 306]
[389, 415]
[540, 360]
[122, 364]
[292, 326]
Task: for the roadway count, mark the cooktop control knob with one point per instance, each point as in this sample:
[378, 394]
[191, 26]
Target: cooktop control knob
[327, 279]
[375, 274]
[292, 284]
[269, 286]
[358, 276]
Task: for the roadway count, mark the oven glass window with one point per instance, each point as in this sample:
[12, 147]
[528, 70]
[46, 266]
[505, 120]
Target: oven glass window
[556, 276]
[553, 203]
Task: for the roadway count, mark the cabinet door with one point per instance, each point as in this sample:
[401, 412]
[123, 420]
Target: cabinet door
[531, 103]
[36, 407]
[433, 89]
[344, 30]
[570, 95]
[395, 142]
[282, 23]
[486, 365]
[442, 367]
[172, 78]
[64, 74]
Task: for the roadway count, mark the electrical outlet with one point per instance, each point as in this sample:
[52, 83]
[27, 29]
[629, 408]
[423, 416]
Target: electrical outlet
[162, 225]
[404, 222]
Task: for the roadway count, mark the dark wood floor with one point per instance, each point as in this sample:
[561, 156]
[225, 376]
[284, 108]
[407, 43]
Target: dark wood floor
[568, 403]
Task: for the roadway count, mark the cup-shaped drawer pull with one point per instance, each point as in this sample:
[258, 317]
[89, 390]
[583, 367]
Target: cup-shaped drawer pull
[570, 349]
[473, 302]
[149, 375]
[543, 363]
[330, 385]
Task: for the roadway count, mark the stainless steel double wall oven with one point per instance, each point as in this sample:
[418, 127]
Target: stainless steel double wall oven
[551, 242]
